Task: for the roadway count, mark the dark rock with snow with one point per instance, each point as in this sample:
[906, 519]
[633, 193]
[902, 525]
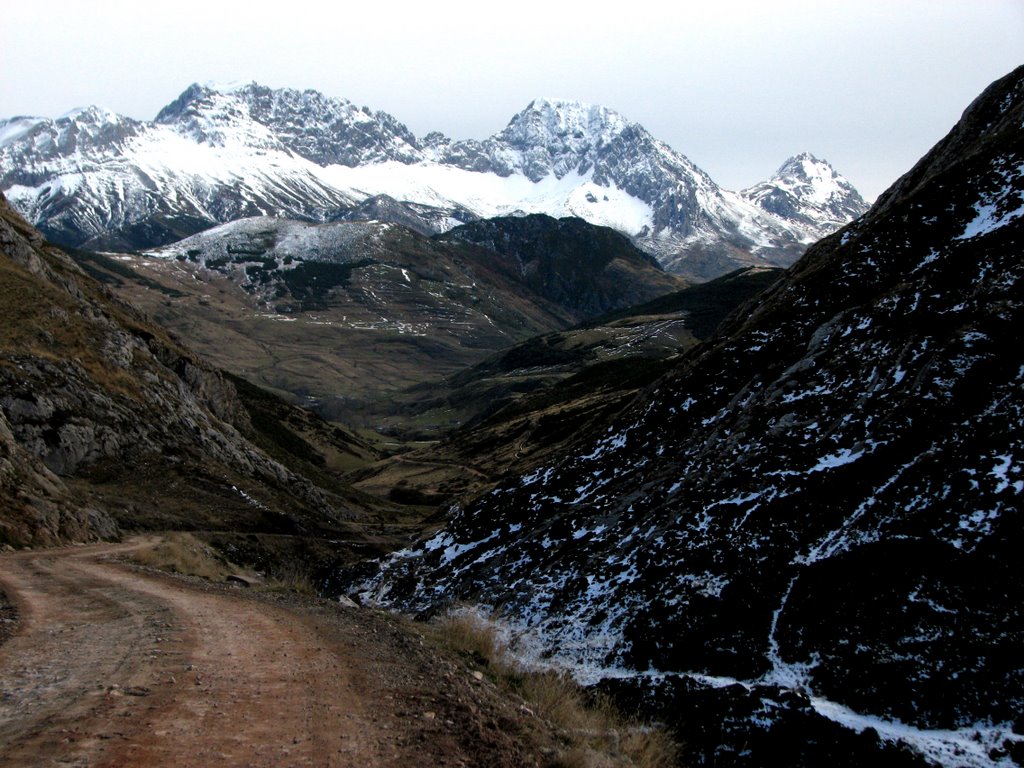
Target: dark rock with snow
[824, 499]
[424, 219]
[320, 129]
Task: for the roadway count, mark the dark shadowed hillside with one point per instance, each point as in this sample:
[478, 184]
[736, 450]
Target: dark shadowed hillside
[801, 544]
[586, 269]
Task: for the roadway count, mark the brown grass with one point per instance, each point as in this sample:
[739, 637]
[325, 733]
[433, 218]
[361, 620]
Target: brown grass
[292, 577]
[475, 638]
[183, 553]
[41, 320]
[594, 732]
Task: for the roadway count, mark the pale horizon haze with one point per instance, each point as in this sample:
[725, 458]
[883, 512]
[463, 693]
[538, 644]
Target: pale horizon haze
[735, 86]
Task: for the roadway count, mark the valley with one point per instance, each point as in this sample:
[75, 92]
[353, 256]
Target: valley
[346, 317]
[745, 465]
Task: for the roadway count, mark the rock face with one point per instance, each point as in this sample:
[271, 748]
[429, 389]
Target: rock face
[90, 389]
[98, 180]
[813, 521]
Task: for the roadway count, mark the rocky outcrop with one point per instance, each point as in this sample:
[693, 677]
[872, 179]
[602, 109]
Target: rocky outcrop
[86, 382]
[38, 508]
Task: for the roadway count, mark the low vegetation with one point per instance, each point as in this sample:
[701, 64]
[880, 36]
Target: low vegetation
[292, 577]
[185, 554]
[594, 732]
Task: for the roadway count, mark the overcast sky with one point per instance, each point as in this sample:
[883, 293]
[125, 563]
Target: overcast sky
[736, 86]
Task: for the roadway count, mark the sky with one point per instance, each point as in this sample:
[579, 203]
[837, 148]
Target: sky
[736, 86]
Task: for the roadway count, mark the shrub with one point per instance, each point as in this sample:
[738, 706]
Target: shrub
[594, 732]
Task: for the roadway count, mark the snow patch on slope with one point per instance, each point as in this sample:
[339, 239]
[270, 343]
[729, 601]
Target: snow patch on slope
[994, 211]
[489, 195]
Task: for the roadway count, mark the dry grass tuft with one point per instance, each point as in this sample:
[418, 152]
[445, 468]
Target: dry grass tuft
[183, 553]
[594, 732]
[469, 635]
[292, 577]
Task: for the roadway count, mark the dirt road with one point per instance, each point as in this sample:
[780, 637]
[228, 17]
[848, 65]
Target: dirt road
[115, 666]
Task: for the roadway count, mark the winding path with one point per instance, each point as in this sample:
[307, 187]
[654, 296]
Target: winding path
[113, 666]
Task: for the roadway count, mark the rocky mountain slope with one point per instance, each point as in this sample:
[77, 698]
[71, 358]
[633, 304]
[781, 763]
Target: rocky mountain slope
[800, 545]
[107, 421]
[346, 315]
[587, 270]
[98, 180]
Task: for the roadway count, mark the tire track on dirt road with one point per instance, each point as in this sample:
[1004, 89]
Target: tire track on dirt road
[116, 666]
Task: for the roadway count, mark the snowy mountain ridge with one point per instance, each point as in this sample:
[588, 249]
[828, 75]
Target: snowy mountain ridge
[96, 179]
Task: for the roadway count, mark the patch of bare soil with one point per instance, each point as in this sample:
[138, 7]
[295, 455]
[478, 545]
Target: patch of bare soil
[118, 666]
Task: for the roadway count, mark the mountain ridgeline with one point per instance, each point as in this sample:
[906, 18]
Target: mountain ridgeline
[778, 510]
[799, 545]
[98, 180]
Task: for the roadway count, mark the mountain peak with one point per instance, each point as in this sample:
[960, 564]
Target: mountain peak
[190, 95]
[229, 86]
[800, 157]
[806, 188]
[92, 114]
[567, 107]
[319, 128]
[807, 167]
[554, 118]
[558, 136]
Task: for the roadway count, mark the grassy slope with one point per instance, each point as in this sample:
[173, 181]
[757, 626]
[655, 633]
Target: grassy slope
[523, 404]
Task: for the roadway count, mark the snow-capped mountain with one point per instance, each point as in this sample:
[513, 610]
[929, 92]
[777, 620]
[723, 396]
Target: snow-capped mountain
[808, 191]
[801, 545]
[320, 129]
[93, 178]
